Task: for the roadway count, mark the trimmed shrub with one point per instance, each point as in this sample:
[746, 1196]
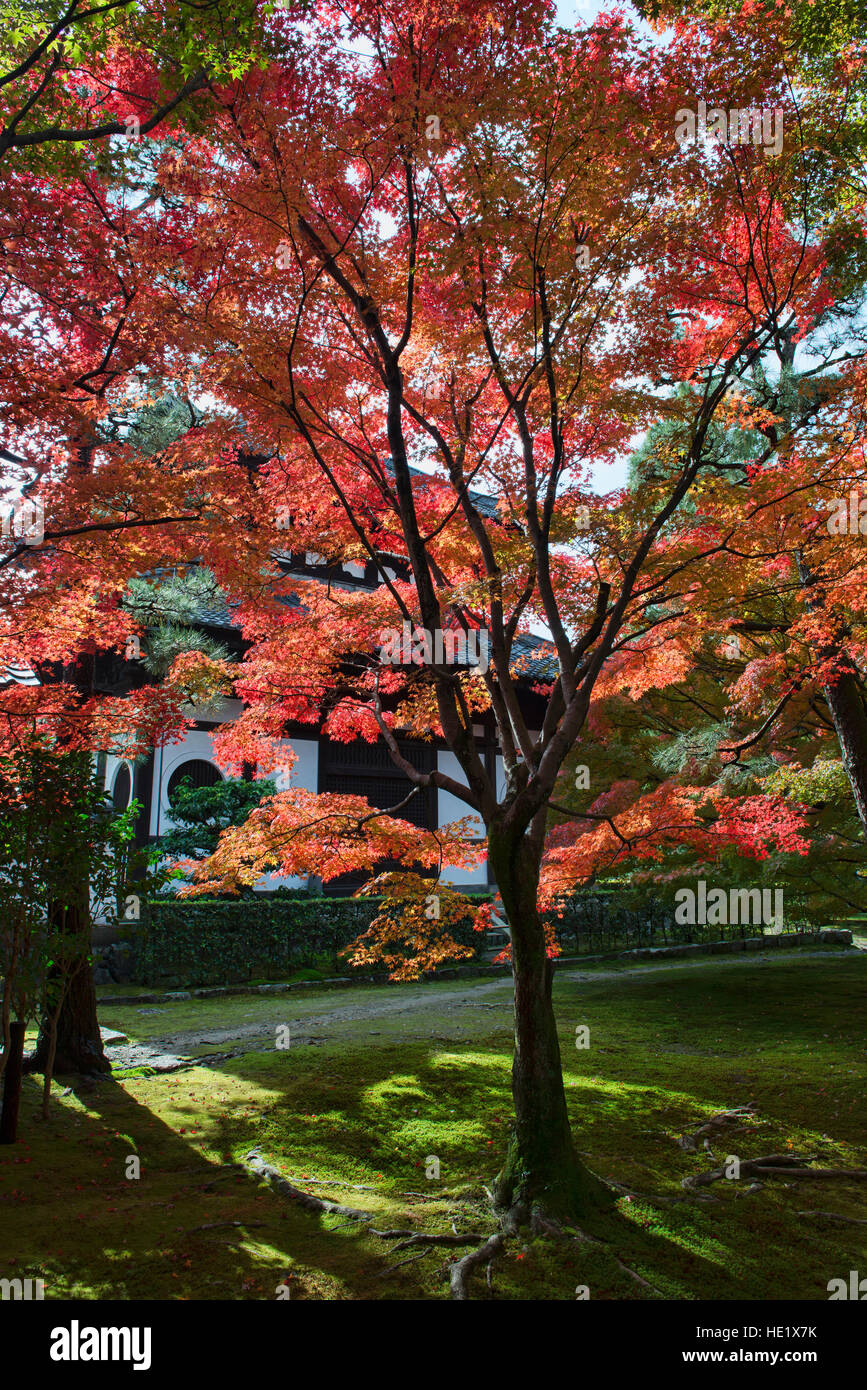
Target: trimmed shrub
[197, 942]
[182, 943]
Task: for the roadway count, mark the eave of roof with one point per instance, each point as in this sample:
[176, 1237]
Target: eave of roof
[17, 675]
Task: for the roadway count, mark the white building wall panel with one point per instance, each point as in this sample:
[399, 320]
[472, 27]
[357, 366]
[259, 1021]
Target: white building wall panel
[451, 808]
[197, 743]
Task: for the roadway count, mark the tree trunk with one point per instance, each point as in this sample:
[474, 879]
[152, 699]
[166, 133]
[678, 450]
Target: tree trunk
[12, 1084]
[78, 1043]
[850, 722]
[846, 703]
[78, 1039]
[542, 1175]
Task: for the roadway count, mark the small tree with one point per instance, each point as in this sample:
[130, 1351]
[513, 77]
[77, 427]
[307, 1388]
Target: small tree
[64, 856]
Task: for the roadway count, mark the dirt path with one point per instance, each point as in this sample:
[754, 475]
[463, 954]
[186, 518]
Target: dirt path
[167, 1052]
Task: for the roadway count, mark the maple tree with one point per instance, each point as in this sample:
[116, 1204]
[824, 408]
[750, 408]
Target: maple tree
[68, 850]
[75, 73]
[417, 256]
[86, 94]
[448, 252]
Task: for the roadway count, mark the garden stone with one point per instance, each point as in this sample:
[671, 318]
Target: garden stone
[836, 936]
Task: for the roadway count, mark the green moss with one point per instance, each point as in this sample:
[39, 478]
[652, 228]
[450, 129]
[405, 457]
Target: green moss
[375, 1094]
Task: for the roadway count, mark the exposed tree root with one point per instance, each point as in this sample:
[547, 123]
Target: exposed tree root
[304, 1199]
[410, 1260]
[542, 1225]
[333, 1182]
[658, 1198]
[638, 1279]
[407, 1238]
[221, 1225]
[731, 1120]
[487, 1248]
[460, 1272]
[791, 1166]
[835, 1216]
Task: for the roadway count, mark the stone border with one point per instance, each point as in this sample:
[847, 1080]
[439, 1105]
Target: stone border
[827, 937]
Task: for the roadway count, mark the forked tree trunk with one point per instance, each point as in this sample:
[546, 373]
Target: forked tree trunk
[542, 1175]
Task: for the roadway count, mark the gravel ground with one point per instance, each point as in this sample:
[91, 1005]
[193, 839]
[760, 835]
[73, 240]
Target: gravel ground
[170, 1052]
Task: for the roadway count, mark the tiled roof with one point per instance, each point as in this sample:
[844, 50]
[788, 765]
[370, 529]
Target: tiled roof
[480, 500]
[217, 615]
[535, 658]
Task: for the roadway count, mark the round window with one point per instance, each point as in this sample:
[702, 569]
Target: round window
[199, 773]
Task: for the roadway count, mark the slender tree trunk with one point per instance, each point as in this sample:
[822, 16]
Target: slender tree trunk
[12, 1084]
[49, 1066]
[79, 1042]
[9, 977]
[542, 1175]
[846, 703]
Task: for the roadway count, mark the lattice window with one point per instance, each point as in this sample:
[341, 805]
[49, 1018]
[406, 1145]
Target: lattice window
[200, 773]
[366, 769]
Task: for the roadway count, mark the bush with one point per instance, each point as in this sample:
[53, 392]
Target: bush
[194, 942]
[185, 942]
[622, 919]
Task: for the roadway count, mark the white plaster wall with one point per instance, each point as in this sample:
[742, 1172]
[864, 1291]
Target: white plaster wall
[467, 878]
[112, 765]
[197, 743]
[452, 808]
[220, 713]
[305, 773]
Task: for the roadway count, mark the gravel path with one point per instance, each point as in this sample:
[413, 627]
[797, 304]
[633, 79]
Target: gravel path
[167, 1053]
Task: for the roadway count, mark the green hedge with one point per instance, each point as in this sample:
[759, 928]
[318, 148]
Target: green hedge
[622, 919]
[195, 942]
[199, 942]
